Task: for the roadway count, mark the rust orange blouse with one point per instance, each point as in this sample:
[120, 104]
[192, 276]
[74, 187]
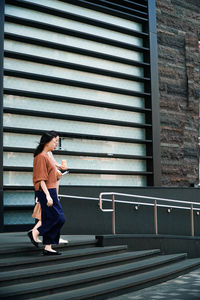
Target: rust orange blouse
[44, 169]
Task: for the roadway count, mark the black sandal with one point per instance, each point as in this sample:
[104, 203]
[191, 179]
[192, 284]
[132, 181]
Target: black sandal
[46, 252]
[30, 235]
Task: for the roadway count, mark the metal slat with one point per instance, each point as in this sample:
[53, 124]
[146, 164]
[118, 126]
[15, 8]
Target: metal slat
[76, 17]
[92, 86]
[74, 100]
[73, 66]
[116, 5]
[106, 9]
[77, 153]
[80, 34]
[77, 135]
[27, 112]
[40, 42]
[81, 171]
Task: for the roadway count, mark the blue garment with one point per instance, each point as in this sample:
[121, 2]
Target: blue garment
[52, 218]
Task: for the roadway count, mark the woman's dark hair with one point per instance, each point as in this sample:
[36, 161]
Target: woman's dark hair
[54, 133]
[45, 138]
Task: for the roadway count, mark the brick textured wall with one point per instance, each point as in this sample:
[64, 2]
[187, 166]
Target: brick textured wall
[178, 28]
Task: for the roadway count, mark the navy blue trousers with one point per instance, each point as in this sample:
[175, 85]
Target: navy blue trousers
[52, 218]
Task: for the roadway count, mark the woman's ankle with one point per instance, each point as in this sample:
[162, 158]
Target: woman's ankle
[49, 248]
[39, 223]
[35, 234]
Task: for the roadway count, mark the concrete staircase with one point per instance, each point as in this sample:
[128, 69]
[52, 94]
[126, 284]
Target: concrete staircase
[85, 271]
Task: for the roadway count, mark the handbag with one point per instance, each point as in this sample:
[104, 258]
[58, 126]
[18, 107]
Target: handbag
[37, 214]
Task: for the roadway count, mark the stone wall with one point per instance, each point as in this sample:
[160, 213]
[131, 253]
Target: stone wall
[178, 28]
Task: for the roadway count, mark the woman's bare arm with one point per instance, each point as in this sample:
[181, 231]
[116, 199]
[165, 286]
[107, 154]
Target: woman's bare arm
[45, 190]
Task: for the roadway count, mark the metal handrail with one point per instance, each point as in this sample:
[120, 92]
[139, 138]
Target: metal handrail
[132, 202]
[155, 204]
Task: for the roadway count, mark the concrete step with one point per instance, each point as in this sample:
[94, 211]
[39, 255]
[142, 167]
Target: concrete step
[30, 261]
[124, 285]
[22, 246]
[36, 273]
[59, 284]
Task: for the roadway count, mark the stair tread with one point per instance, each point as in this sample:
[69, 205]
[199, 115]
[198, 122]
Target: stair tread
[19, 242]
[70, 280]
[80, 264]
[133, 280]
[66, 254]
[15, 248]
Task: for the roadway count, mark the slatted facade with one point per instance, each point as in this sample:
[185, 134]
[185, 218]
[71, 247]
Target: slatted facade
[82, 68]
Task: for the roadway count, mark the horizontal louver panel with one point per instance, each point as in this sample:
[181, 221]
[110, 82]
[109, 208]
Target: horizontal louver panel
[71, 25]
[82, 11]
[22, 121]
[72, 109]
[69, 59]
[26, 143]
[78, 163]
[69, 74]
[17, 179]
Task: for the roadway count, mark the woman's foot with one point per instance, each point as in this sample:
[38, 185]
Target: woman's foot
[46, 252]
[62, 241]
[33, 241]
[35, 234]
[38, 240]
[49, 248]
[49, 251]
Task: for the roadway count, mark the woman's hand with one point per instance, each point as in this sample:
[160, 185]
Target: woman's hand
[58, 175]
[49, 201]
[63, 168]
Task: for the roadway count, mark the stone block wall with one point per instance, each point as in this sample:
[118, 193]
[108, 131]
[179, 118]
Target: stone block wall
[178, 28]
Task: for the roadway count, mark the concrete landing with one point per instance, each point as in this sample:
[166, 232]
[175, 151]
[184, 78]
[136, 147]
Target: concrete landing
[19, 240]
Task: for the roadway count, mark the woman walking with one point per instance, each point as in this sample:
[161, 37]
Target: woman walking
[60, 167]
[45, 184]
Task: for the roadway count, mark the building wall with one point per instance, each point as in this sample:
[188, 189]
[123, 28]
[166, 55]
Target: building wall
[87, 70]
[178, 24]
[104, 100]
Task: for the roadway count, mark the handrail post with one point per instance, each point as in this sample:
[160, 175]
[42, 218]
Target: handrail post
[113, 214]
[192, 220]
[191, 208]
[155, 217]
[100, 201]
